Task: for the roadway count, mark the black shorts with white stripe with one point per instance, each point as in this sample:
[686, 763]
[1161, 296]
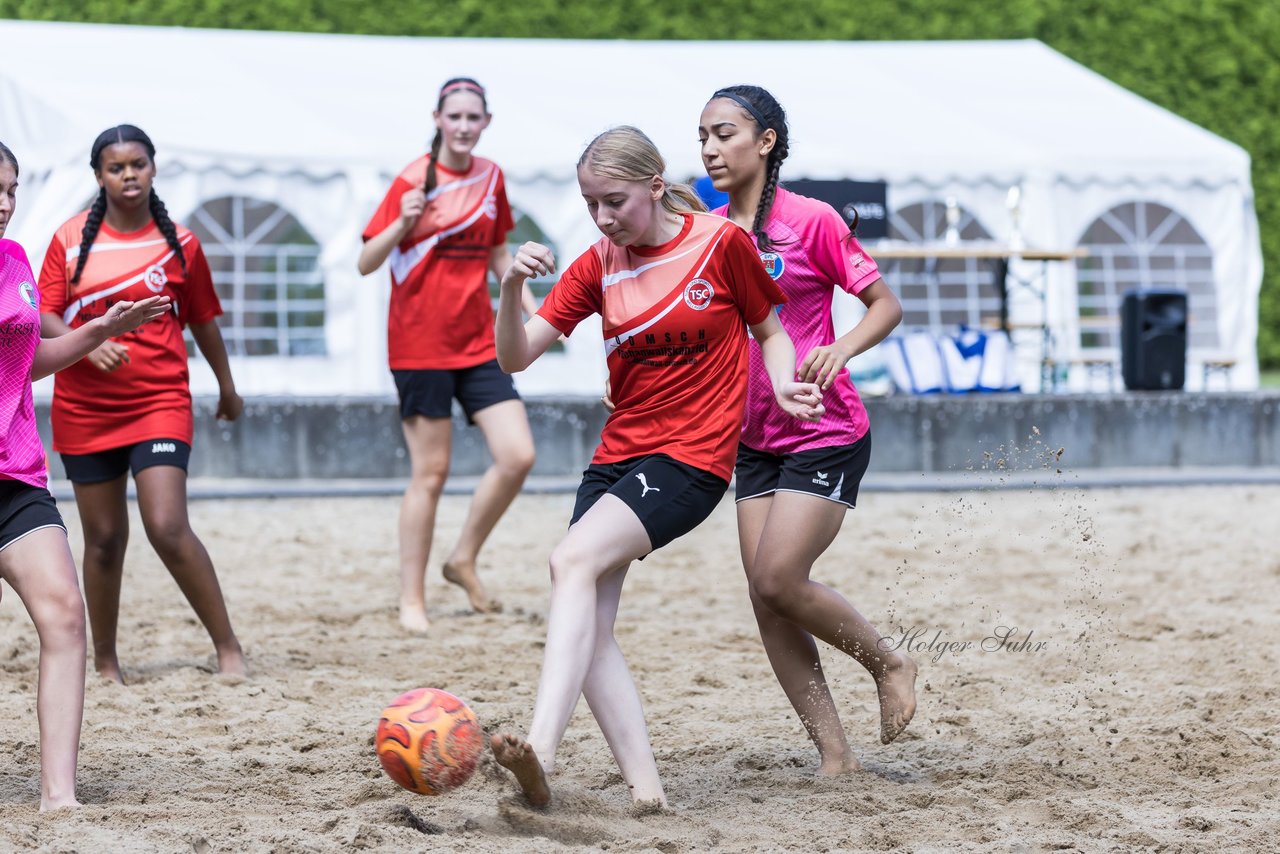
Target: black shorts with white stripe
[833, 473]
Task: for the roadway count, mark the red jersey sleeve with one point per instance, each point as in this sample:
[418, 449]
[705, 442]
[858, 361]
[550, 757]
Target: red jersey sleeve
[504, 222]
[201, 302]
[577, 295]
[754, 290]
[387, 212]
[53, 278]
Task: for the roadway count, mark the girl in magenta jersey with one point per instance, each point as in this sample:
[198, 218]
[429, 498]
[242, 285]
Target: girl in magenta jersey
[35, 559]
[795, 480]
[676, 290]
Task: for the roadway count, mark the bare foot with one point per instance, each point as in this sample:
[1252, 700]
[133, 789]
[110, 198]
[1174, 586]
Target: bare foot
[109, 669]
[65, 802]
[464, 575]
[518, 757]
[231, 660]
[413, 618]
[896, 686]
[834, 767]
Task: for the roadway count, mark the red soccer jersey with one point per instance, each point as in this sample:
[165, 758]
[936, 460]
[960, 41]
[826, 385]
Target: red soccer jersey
[675, 332]
[441, 316]
[148, 397]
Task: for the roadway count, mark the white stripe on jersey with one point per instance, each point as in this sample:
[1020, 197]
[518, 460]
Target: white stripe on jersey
[403, 263]
[612, 344]
[74, 251]
[90, 299]
[622, 275]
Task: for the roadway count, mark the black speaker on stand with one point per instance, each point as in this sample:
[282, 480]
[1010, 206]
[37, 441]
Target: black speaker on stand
[1153, 339]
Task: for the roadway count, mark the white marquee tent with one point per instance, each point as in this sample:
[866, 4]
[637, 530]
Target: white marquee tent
[319, 124]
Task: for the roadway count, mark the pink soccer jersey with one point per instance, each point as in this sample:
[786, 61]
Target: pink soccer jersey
[21, 454]
[812, 254]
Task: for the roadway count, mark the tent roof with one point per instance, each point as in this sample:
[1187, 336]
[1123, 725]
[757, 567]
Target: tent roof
[930, 111]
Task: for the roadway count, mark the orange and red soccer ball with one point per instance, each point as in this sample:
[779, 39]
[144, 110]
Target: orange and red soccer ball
[428, 741]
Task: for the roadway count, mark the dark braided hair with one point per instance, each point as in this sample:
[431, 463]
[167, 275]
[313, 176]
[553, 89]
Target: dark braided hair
[6, 156]
[767, 114]
[454, 84]
[98, 211]
[765, 111]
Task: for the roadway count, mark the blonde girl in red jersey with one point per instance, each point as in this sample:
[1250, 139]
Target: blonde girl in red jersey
[795, 482]
[676, 290]
[127, 405]
[35, 558]
[444, 225]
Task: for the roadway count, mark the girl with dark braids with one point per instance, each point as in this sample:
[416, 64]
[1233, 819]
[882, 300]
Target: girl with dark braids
[795, 480]
[443, 225]
[35, 559]
[127, 405]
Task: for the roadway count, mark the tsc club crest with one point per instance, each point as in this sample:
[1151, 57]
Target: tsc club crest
[772, 264]
[28, 293]
[156, 278]
[698, 294]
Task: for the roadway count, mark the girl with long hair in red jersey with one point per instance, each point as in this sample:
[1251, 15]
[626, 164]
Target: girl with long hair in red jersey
[676, 289]
[127, 405]
[796, 480]
[443, 225]
[35, 559]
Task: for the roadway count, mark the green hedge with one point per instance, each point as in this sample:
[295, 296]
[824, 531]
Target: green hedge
[1215, 62]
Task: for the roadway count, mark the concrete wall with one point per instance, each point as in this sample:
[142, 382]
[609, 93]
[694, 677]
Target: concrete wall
[360, 438]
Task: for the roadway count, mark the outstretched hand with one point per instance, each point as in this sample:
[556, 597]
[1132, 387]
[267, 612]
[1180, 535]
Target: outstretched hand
[127, 316]
[802, 401]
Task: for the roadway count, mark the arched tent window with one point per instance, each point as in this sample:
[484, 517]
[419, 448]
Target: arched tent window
[1143, 245]
[266, 268]
[941, 293]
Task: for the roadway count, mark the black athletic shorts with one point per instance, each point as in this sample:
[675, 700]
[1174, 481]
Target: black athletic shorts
[25, 508]
[669, 497]
[430, 393]
[109, 465]
[833, 473]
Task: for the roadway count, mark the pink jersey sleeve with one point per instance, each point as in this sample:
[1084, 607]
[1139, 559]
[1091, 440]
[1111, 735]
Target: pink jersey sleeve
[837, 254]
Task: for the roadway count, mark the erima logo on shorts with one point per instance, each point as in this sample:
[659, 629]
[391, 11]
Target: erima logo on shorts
[698, 294]
[156, 278]
[821, 479]
[773, 264]
[171, 448]
[28, 293]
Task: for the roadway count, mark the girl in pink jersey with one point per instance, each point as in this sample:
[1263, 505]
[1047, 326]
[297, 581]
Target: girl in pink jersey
[676, 290]
[443, 225]
[796, 480]
[35, 558]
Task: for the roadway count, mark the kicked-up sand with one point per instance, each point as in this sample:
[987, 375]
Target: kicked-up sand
[1098, 672]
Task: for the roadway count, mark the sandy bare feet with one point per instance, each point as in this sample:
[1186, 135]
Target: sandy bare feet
[896, 686]
[518, 757]
[109, 669]
[464, 575]
[66, 802]
[413, 618]
[231, 660]
[834, 767]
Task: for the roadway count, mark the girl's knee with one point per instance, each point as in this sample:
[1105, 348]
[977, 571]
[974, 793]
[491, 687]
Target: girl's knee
[429, 480]
[168, 536]
[774, 593]
[106, 546]
[570, 565]
[517, 463]
[61, 619]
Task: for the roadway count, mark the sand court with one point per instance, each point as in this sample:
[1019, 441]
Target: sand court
[1098, 671]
